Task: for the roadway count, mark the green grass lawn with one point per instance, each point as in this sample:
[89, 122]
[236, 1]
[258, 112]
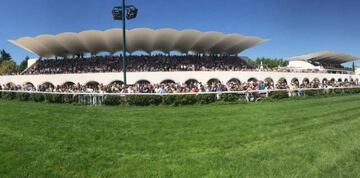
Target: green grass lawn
[302, 138]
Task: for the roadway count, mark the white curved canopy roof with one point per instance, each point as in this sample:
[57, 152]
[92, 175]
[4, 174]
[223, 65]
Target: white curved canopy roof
[325, 57]
[140, 39]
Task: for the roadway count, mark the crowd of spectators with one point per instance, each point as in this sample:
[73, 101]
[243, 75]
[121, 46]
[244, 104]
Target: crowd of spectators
[139, 64]
[157, 63]
[170, 87]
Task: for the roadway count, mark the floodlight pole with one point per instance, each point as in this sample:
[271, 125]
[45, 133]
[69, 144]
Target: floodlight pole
[124, 65]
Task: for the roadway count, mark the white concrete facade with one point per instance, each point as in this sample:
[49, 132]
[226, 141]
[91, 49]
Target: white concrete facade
[158, 77]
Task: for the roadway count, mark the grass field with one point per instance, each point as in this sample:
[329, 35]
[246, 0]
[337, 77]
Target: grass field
[302, 138]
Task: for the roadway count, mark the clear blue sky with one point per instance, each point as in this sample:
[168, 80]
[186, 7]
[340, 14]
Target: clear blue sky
[294, 26]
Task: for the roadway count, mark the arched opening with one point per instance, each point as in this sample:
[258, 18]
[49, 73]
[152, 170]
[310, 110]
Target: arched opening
[346, 80]
[306, 81]
[116, 82]
[142, 82]
[168, 81]
[191, 82]
[316, 80]
[46, 86]
[282, 84]
[234, 81]
[325, 81]
[114, 86]
[252, 79]
[339, 80]
[214, 85]
[68, 86]
[315, 83]
[234, 84]
[11, 86]
[294, 83]
[28, 86]
[92, 86]
[269, 82]
[213, 81]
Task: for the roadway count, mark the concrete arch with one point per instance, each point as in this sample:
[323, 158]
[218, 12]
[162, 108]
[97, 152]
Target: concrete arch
[189, 81]
[282, 80]
[47, 84]
[28, 86]
[295, 80]
[324, 80]
[268, 80]
[10, 84]
[167, 81]
[234, 80]
[339, 80]
[92, 83]
[252, 79]
[306, 80]
[213, 80]
[143, 81]
[28, 83]
[316, 80]
[116, 82]
[68, 83]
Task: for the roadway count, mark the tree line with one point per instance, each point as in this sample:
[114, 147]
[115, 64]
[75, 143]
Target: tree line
[9, 66]
[269, 62]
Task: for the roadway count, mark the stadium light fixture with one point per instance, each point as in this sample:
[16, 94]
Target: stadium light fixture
[122, 13]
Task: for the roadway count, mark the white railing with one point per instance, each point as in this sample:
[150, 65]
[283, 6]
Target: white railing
[98, 98]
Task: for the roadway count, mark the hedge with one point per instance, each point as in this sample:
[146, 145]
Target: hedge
[277, 95]
[174, 100]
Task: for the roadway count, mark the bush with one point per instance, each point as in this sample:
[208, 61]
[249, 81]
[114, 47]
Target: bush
[144, 100]
[229, 97]
[168, 99]
[277, 95]
[112, 100]
[206, 98]
[68, 98]
[348, 90]
[337, 91]
[356, 90]
[53, 98]
[314, 92]
[37, 97]
[185, 100]
[8, 95]
[155, 100]
[23, 96]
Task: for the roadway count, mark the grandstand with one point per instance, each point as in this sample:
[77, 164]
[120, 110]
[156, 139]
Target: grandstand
[190, 61]
[325, 61]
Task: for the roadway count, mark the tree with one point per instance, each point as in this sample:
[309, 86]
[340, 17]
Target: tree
[23, 64]
[269, 62]
[7, 67]
[4, 56]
